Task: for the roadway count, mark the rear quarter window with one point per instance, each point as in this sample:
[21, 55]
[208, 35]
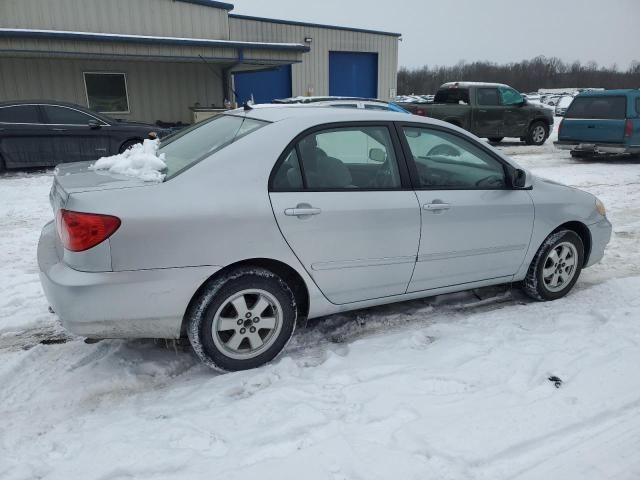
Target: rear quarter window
[600, 107]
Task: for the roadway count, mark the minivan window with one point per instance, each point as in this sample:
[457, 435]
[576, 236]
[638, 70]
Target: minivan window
[598, 107]
[19, 114]
[194, 144]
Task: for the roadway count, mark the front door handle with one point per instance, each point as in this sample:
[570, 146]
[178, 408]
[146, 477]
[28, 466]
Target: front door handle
[434, 207]
[482, 111]
[302, 211]
[59, 129]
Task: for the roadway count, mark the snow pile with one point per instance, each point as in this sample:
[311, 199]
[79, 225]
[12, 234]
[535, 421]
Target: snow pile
[141, 161]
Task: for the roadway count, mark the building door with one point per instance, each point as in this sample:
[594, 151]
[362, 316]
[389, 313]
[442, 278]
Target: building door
[353, 74]
[264, 86]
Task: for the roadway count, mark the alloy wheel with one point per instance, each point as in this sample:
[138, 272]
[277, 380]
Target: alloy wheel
[247, 324]
[560, 266]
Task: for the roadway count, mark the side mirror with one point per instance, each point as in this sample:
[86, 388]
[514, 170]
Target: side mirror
[523, 103]
[94, 124]
[377, 155]
[521, 179]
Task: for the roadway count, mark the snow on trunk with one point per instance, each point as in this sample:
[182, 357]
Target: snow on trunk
[141, 161]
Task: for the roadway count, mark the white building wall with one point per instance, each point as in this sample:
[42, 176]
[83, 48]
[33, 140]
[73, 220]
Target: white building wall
[138, 17]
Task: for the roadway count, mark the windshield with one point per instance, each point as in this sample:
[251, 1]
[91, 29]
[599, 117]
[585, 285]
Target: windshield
[189, 146]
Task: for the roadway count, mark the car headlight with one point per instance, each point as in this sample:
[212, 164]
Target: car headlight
[600, 208]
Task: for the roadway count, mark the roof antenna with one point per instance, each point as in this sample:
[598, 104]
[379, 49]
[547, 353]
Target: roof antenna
[220, 76]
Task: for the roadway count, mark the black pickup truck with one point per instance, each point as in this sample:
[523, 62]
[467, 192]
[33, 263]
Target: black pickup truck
[489, 110]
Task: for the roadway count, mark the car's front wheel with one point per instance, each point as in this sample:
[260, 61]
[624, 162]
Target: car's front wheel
[556, 266]
[537, 134]
[242, 320]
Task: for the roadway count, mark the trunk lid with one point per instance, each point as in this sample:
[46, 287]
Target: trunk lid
[595, 119]
[70, 178]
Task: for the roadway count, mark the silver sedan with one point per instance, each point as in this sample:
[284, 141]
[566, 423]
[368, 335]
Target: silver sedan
[272, 216]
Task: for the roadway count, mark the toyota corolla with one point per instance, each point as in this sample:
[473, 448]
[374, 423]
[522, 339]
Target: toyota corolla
[267, 217]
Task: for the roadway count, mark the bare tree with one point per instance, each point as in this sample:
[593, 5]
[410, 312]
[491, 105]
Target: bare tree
[526, 76]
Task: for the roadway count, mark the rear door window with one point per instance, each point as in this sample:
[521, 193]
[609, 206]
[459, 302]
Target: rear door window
[55, 115]
[20, 114]
[347, 158]
[600, 107]
[488, 97]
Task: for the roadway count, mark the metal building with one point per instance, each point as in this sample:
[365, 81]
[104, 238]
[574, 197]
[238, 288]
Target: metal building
[161, 60]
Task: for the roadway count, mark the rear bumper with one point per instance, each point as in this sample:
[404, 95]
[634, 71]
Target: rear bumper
[600, 236]
[130, 304]
[597, 148]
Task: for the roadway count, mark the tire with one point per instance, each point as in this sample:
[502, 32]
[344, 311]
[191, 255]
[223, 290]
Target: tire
[128, 144]
[243, 345]
[496, 139]
[544, 269]
[537, 134]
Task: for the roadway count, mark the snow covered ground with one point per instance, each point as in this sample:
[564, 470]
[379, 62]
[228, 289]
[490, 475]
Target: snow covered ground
[452, 387]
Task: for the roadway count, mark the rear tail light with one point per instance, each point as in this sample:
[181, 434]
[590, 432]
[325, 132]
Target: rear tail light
[82, 231]
[628, 128]
[421, 112]
[560, 126]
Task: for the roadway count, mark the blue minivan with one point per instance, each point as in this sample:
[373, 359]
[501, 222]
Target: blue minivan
[605, 122]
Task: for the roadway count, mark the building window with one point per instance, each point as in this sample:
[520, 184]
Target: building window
[107, 92]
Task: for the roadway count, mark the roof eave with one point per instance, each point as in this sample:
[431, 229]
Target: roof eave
[313, 25]
[143, 39]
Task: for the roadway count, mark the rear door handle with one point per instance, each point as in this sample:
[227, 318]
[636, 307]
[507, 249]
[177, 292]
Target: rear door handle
[482, 111]
[301, 211]
[59, 129]
[434, 207]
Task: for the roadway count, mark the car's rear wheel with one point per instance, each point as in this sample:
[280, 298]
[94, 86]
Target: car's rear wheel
[537, 134]
[556, 266]
[242, 320]
[495, 139]
[128, 144]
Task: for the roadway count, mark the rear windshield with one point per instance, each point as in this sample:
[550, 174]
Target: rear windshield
[189, 146]
[607, 108]
[452, 95]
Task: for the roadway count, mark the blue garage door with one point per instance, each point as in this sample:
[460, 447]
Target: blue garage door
[353, 74]
[264, 86]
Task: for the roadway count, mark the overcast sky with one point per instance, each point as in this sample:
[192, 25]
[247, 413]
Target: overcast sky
[444, 32]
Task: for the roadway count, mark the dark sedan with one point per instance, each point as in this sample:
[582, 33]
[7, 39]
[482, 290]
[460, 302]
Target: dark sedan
[44, 134]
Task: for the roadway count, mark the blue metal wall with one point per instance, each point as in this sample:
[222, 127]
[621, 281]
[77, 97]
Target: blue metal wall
[264, 86]
[353, 74]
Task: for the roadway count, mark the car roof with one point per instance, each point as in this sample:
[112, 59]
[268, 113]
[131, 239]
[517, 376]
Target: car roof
[325, 99]
[57, 103]
[606, 93]
[43, 102]
[472, 84]
[280, 112]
